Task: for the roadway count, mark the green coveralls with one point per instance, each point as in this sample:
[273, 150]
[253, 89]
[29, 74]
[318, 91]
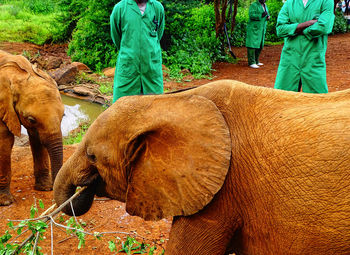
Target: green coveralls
[137, 37]
[303, 56]
[256, 30]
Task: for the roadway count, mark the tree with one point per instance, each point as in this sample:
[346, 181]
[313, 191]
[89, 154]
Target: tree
[221, 12]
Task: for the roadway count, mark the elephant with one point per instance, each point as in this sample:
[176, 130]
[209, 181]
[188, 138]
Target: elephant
[241, 169]
[29, 97]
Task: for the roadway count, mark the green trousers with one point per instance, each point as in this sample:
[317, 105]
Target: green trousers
[253, 55]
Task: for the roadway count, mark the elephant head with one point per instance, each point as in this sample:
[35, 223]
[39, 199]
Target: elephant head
[163, 155]
[30, 97]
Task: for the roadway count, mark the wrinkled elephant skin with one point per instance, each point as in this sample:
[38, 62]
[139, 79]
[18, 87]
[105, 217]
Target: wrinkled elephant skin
[29, 97]
[242, 169]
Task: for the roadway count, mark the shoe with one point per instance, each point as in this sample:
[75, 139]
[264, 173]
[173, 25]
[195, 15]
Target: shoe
[260, 64]
[254, 66]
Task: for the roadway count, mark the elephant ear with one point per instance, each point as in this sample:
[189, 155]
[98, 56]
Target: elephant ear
[180, 160]
[7, 112]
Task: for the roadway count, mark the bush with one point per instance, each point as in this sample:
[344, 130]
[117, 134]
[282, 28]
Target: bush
[40, 7]
[71, 12]
[91, 41]
[239, 34]
[194, 45]
[340, 24]
[274, 7]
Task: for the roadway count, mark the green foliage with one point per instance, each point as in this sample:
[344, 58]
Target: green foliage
[239, 34]
[33, 6]
[76, 229]
[40, 7]
[106, 88]
[91, 42]
[194, 44]
[274, 7]
[37, 227]
[340, 24]
[71, 12]
[131, 246]
[18, 22]
[76, 135]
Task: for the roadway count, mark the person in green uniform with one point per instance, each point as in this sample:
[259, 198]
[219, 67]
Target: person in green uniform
[136, 29]
[256, 29]
[305, 25]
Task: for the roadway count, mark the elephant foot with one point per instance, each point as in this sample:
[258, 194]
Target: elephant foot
[43, 184]
[6, 198]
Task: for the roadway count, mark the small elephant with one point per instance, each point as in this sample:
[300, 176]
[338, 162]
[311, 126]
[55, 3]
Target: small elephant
[29, 97]
[241, 168]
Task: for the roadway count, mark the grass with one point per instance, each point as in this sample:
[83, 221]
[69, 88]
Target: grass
[267, 43]
[18, 24]
[75, 136]
[106, 88]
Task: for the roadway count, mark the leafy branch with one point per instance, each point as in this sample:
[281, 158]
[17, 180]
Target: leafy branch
[39, 225]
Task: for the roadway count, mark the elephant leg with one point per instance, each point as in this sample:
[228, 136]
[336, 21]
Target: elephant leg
[193, 235]
[41, 160]
[7, 140]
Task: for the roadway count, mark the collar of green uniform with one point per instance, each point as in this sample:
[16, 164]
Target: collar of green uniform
[133, 1]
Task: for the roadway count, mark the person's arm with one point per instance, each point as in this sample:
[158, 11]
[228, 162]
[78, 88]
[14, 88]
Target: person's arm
[254, 13]
[284, 27]
[161, 23]
[324, 23]
[115, 26]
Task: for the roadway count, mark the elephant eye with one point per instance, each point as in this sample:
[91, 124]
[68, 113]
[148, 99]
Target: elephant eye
[91, 157]
[31, 120]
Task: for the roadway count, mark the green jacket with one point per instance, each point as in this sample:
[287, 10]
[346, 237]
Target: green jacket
[303, 56]
[256, 27]
[137, 37]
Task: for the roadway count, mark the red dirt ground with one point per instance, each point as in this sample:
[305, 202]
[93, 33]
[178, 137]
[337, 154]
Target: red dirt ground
[110, 215]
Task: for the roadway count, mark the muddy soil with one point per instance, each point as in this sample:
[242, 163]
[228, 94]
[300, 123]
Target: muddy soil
[108, 215]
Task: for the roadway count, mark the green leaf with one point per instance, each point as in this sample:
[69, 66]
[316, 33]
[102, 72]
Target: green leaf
[41, 204]
[111, 246]
[10, 225]
[33, 210]
[19, 231]
[7, 236]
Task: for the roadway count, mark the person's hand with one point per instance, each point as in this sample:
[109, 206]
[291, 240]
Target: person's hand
[268, 17]
[310, 22]
[302, 26]
[264, 14]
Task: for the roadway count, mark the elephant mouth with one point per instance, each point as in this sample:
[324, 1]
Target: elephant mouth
[82, 203]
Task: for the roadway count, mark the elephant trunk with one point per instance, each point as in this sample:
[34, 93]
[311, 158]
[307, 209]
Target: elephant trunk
[55, 150]
[65, 186]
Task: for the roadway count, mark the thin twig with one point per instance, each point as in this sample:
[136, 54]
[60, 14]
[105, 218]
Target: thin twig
[51, 238]
[36, 242]
[48, 210]
[63, 226]
[102, 199]
[65, 239]
[75, 218]
[42, 216]
[19, 236]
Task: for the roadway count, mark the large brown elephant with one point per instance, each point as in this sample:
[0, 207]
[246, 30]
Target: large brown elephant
[242, 169]
[29, 97]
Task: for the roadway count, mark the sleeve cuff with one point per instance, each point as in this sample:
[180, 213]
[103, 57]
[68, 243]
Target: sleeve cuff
[293, 28]
[307, 34]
